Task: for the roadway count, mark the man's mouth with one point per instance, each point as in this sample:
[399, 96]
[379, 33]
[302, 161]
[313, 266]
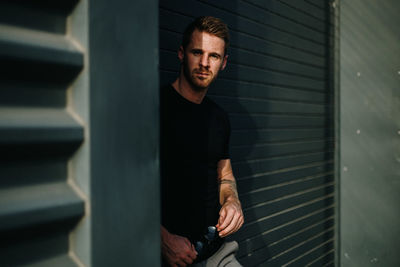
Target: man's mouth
[202, 74]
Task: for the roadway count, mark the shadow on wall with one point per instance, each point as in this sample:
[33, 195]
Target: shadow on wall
[231, 92]
[243, 138]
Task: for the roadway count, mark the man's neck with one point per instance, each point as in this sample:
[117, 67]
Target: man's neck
[182, 86]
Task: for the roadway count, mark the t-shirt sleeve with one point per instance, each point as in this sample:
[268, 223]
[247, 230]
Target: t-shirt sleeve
[227, 132]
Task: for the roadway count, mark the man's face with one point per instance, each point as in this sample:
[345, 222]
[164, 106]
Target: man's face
[202, 59]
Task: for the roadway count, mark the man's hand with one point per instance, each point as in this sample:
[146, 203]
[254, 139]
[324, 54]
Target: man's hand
[177, 250]
[231, 214]
[230, 218]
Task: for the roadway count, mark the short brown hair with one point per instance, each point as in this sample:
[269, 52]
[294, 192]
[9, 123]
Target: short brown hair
[208, 24]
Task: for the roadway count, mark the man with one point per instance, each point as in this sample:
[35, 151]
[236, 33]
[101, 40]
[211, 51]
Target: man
[200, 204]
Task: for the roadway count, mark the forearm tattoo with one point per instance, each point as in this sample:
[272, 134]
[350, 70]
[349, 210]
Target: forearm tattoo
[232, 186]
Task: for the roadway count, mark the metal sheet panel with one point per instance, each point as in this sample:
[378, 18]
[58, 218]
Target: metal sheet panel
[370, 111]
[124, 133]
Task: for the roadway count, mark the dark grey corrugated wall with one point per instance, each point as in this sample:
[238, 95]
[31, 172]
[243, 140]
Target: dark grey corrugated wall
[38, 134]
[277, 92]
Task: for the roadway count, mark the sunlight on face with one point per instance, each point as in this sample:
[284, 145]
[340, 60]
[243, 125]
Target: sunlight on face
[202, 59]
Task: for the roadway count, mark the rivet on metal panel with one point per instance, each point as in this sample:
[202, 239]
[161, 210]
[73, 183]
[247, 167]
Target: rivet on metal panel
[334, 4]
[347, 255]
[345, 169]
[374, 260]
[398, 132]
[358, 131]
[358, 74]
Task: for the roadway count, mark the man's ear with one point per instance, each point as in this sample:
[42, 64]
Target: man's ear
[224, 61]
[181, 54]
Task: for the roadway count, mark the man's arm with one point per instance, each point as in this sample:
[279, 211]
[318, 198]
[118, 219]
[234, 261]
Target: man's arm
[176, 250]
[231, 214]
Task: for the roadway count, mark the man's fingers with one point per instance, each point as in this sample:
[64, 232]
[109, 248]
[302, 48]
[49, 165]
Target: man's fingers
[192, 256]
[236, 223]
[222, 215]
[226, 221]
[190, 247]
[193, 253]
[229, 229]
[188, 257]
[187, 242]
[180, 263]
[188, 260]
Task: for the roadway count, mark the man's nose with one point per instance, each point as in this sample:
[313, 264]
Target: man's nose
[204, 61]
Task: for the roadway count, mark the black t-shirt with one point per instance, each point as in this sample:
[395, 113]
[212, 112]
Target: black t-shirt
[194, 137]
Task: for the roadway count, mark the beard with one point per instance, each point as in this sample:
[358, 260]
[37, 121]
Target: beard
[192, 76]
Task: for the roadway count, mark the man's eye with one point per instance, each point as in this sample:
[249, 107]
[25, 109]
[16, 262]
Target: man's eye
[215, 56]
[196, 53]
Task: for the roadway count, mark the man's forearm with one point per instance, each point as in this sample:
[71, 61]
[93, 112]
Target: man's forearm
[231, 214]
[227, 183]
[228, 189]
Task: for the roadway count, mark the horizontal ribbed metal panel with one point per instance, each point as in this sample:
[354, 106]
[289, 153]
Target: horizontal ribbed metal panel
[24, 206]
[276, 89]
[38, 133]
[32, 55]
